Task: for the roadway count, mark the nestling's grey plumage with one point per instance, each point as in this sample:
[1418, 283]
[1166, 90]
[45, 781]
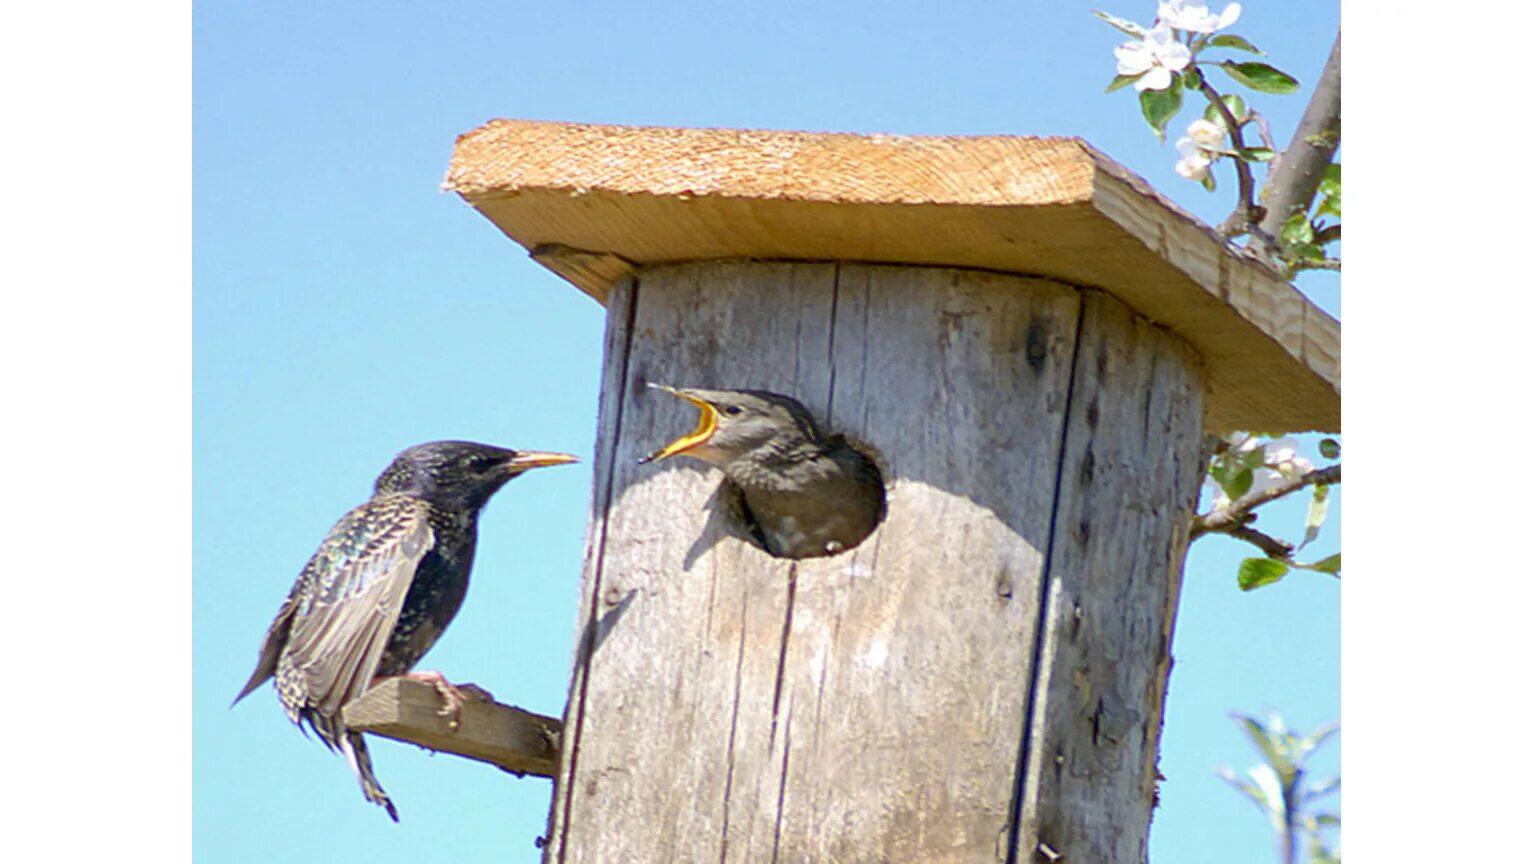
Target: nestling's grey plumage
[382, 587]
[805, 493]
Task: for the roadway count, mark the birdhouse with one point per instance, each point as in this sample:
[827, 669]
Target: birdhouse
[1030, 343]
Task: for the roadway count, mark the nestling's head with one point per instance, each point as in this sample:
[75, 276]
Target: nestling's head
[459, 474]
[735, 423]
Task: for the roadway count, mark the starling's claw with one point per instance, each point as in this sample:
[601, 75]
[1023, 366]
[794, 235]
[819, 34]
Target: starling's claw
[453, 695]
[475, 693]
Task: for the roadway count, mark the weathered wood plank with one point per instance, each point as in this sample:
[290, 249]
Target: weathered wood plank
[1130, 477]
[502, 735]
[882, 720]
[905, 689]
[590, 625]
[658, 705]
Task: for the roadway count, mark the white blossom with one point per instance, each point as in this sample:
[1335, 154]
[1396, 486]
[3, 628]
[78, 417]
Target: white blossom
[1153, 58]
[1194, 162]
[1195, 150]
[1282, 455]
[1193, 15]
[1207, 133]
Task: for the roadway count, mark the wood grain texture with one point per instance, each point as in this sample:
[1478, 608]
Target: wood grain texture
[505, 736]
[1048, 207]
[1129, 481]
[877, 705]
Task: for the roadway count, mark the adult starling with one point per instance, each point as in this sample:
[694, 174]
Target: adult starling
[804, 493]
[382, 587]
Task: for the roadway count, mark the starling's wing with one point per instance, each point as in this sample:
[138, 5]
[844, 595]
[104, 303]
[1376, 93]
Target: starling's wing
[340, 626]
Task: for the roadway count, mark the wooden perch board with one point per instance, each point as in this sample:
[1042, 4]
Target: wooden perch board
[595, 203]
[518, 741]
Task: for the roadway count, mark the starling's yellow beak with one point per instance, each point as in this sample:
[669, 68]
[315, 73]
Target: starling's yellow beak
[526, 459]
[707, 422]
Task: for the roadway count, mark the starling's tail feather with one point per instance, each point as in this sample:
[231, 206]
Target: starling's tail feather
[356, 753]
[255, 681]
[271, 649]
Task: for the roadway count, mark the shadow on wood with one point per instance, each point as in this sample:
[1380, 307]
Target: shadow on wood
[504, 736]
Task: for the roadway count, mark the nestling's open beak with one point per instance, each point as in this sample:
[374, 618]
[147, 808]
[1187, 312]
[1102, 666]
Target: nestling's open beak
[526, 459]
[707, 422]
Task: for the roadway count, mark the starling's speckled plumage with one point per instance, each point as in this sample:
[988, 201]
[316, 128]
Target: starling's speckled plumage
[804, 493]
[382, 587]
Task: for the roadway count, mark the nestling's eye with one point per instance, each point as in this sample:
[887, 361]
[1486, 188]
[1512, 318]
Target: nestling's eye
[734, 410]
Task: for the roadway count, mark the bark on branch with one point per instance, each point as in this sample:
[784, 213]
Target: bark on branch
[1247, 213]
[1296, 174]
[1233, 519]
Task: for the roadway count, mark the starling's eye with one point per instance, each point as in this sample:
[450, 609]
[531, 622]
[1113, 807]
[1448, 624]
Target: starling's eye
[481, 464]
[734, 410]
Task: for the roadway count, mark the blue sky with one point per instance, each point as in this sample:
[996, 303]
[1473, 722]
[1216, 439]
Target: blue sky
[344, 309]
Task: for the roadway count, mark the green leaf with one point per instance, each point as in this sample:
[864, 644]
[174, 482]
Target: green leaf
[1240, 484]
[1208, 181]
[1325, 138]
[1330, 448]
[1256, 572]
[1218, 470]
[1330, 191]
[1318, 505]
[1230, 40]
[1255, 793]
[1121, 81]
[1123, 24]
[1297, 231]
[1323, 788]
[1330, 184]
[1193, 76]
[1331, 565]
[1231, 101]
[1304, 252]
[1261, 77]
[1159, 106]
[1311, 742]
[1254, 457]
[1246, 788]
[1272, 788]
[1256, 154]
[1257, 731]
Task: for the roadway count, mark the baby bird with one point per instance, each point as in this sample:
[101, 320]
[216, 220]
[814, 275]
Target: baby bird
[382, 587]
[805, 494]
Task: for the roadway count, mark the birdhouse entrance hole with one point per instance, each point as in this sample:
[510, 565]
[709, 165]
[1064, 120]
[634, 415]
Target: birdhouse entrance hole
[743, 524]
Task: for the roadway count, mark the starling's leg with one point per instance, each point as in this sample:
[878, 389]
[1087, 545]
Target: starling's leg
[453, 695]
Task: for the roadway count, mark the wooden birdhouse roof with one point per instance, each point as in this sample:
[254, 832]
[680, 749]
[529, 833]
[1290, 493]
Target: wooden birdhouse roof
[593, 203]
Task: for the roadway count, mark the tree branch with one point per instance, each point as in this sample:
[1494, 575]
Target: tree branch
[1229, 519]
[1273, 547]
[1296, 174]
[1262, 129]
[1247, 213]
